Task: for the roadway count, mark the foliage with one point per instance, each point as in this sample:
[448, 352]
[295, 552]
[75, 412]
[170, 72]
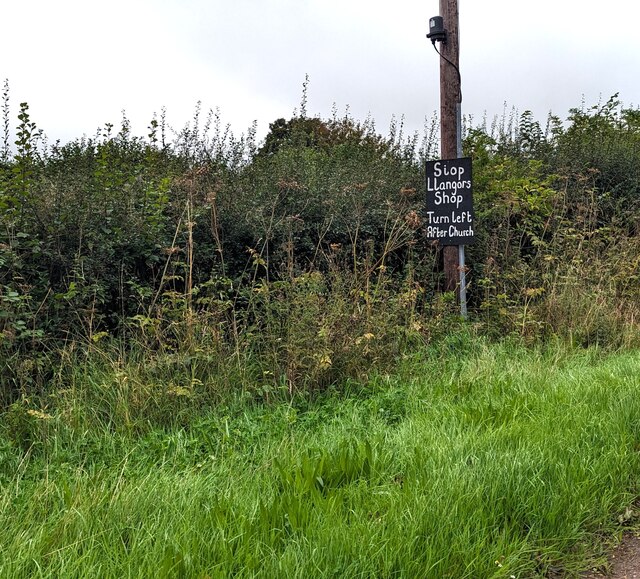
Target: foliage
[285, 254]
[229, 316]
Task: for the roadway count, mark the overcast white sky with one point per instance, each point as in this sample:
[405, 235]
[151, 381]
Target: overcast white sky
[79, 62]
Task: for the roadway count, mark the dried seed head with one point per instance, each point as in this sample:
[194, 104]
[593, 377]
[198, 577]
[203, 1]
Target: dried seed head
[412, 219]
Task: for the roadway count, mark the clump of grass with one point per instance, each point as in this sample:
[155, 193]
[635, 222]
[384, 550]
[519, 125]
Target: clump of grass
[474, 460]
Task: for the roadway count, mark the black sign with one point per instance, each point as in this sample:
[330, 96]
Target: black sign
[450, 202]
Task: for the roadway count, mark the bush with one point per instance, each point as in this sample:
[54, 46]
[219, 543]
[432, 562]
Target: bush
[296, 249]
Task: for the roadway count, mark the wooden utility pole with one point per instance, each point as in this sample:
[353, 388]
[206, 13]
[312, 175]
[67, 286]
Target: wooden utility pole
[449, 119]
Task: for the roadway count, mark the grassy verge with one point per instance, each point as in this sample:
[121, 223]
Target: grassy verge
[471, 460]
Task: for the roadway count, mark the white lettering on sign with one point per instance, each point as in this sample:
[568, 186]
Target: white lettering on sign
[455, 232]
[463, 217]
[447, 171]
[437, 219]
[436, 232]
[435, 185]
[449, 201]
[445, 199]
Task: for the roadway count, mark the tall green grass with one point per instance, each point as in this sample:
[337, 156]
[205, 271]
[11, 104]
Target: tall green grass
[470, 460]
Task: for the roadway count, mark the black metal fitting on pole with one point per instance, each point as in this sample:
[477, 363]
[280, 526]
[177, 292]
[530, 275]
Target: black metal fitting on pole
[437, 33]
